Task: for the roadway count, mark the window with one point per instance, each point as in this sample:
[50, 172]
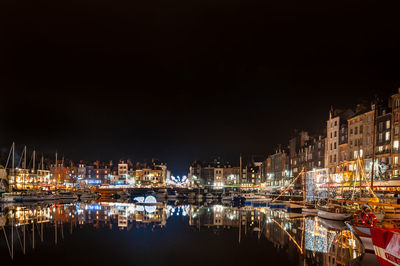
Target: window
[396, 130]
[355, 154]
[334, 158]
[331, 146]
[335, 123]
[387, 124]
[335, 134]
[356, 131]
[361, 153]
[334, 145]
[396, 144]
[331, 134]
[387, 136]
[361, 129]
[380, 137]
[380, 126]
[351, 131]
[396, 160]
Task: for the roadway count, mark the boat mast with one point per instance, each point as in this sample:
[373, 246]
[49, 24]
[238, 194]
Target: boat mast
[24, 166]
[373, 149]
[240, 174]
[55, 173]
[11, 154]
[33, 165]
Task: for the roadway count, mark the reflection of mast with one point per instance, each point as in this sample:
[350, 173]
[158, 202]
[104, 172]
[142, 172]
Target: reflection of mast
[240, 225]
[289, 235]
[11, 155]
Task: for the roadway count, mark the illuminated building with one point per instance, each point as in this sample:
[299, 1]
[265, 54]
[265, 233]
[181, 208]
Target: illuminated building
[395, 132]
[155, 176]
[383, 148]
[333, 126]
[277, 170]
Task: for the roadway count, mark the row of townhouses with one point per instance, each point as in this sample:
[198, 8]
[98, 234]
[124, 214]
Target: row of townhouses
[60, 175]
[368, 132]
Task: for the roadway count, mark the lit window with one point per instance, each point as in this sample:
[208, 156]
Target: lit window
[387, 136]
[361, 153]
[355, 154]
[396, 160]
[396, 144]
[387, 124]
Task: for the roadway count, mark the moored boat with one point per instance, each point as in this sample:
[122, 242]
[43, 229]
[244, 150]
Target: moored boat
[9, 197]
[386, 243]
[334, 213]
[66, 196]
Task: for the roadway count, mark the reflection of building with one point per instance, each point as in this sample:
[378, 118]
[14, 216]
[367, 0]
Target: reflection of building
[329, 246]
[216, 216]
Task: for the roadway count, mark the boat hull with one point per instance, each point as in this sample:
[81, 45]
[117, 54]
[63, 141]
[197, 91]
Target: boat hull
[386, 246]
[334, 215]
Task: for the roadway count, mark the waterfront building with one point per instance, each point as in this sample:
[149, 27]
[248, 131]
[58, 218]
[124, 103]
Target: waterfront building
[278, 172]
[333, 126]
[96, 174]
[231, 175]
[394, 103]
[218, 177]
[251, 174]
[383, 150]
[155, 175]
[149, 176]
[360, 133]
[214, 174]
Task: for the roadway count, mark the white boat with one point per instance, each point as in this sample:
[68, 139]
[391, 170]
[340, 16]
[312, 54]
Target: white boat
[228, 197]
[253, 197]
[311, 211]
[334, 215]
[209, 196]
[45, 196]
[66, 196]
[30, 196]
[10, 197]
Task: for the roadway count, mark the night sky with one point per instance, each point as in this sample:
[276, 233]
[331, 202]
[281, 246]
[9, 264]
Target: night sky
[186, 79]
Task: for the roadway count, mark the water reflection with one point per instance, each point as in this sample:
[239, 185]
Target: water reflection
[310, 240]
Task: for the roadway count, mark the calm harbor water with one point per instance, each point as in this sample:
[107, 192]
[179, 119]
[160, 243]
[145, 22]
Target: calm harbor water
[170, 233]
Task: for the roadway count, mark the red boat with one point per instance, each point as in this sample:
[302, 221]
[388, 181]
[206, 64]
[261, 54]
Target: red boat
[386, 245]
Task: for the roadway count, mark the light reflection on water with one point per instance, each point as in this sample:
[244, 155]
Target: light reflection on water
[28, 230]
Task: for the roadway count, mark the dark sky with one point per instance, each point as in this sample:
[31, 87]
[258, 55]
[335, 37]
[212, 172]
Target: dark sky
[180, 79]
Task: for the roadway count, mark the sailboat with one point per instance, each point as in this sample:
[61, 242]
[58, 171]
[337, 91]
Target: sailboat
[333, 210]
